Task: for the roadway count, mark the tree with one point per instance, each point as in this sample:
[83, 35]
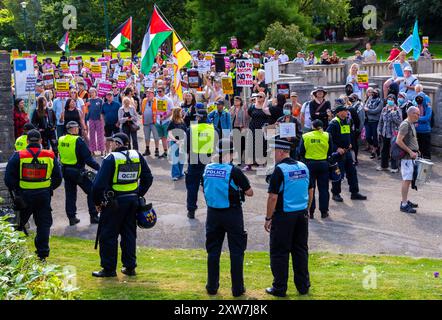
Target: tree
[288, 38]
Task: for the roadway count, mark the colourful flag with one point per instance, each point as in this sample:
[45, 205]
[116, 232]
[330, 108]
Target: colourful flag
[122, 36]
[180, 58]
[157, 32]
[64, 43]
[417, 47]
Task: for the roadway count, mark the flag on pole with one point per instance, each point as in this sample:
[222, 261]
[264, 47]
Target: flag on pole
[416, 42]
[122, 36]
[180, 58]
[64, 43]
[157, 32]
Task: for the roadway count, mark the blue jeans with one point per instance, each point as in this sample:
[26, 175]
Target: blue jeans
[177, 163]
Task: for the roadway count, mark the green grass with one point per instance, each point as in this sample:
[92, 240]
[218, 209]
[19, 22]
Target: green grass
[181, 274]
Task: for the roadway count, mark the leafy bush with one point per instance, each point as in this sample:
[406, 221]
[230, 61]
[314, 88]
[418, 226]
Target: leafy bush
[22, 276]
[281, 37]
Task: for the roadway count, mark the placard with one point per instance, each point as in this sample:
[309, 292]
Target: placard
[234, 42]
[64, 66]
[103, 88]
[107, 54]
[79, 59]
[363, 79]
[48, 80]
[244, 73]
[148, 80]
[193, 78]
[161, 105]
[256, 59]
[127, 63]
[227, 62]
[15, 54]
[407, 46]
[26, 54]
[223, 50]
[113, 63]
[425, 41]
[96, 69]
[208, 56]
[227, 84]
[62, 88]
[204, 66]
[398, 69]
[73, 66]
[122, 77]
[87, 65]
[31, 80]
[271, 71]
[22, 69]
[272, 51]
[283, 88]
[287, 130]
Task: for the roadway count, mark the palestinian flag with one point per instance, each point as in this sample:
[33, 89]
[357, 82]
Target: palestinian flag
[157, 32]
[64, 43]
[122, 36]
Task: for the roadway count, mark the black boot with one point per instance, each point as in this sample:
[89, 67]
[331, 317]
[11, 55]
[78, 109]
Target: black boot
[73, 221]
[191, 214]
[104, 274]
[128, 272]
[94, 219]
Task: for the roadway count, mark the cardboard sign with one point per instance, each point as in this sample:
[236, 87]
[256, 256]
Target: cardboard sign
[79, 58]
[73, 66]
[398, 69]
[87, 65]
[287, 129]
[127, 63]
[103, 88]
[122, 77]
[208, 56]
[363, 79]
[425, 41]
[271, 51]
[244, 73]
[26, 54]
[96, 69]
[31, 80]
[64, 66]
[256, 59]
[227, 84]
[193, 79]
[15, 54]
[283, 88]
[161, 105]
[234, 42]
[113, 63]
[48, 81]
[107, 54]
[23, 68]
[271, 71]
[223, 50]
[204, 66]
[407, 46]
[62, 88]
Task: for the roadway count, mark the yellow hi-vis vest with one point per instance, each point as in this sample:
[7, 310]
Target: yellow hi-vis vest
[66, 148]
[345, 129]
[202, 138]
[35, 168]
[127, 172]
[21, 143]
[316, 145]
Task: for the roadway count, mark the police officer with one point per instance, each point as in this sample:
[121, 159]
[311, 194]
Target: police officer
[315, 148]
[340, 132]
[74, 154]
[223, 184]
[33, 174]
[290, 193]
[125, 174]
[22, 141]
[200, 144]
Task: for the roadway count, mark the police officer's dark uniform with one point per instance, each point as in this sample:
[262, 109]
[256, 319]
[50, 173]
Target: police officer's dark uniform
[22, 142]
[315, 148]
[340, 132]
[33, 174]
[126, 174]
[74, 154]
[290, 184]
[223, 183]
[200, 145]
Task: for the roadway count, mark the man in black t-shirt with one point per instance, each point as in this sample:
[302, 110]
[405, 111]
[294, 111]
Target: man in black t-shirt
[319, 107]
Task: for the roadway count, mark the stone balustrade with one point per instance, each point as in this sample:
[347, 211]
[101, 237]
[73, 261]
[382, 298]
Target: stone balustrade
[437, 65]
[334, 73]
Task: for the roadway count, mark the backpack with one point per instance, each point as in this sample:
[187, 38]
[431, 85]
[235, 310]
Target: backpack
[397, 153]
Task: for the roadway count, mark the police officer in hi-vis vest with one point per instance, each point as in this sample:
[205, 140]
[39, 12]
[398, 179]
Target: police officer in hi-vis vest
[33, 174]
[290, 194]
[340, 131]
[224, 186]
[124, 176]
[22, 142]
[315, 148]
[74, 154]
[200, 145]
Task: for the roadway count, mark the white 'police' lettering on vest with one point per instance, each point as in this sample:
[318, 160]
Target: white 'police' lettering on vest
[216, 173]
[297, 174]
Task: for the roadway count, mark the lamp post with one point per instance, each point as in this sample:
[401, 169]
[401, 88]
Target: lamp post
[23, 5]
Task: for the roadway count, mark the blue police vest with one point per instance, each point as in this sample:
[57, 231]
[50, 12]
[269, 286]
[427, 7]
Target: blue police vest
[217, 179]
[295, 186]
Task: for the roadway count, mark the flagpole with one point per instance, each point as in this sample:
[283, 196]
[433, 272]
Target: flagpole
[131, 38]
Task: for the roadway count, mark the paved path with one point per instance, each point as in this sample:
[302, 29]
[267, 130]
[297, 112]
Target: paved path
[375, 226]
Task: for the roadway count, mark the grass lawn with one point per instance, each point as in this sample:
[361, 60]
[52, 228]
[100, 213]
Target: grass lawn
[181, 274]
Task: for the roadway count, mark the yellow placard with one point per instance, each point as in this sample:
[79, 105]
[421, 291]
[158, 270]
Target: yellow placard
[50, 70]
[208, 56]
[161, 105]
[96, 67]
[127, 63]
[227, 84]
[15, 54]
[210, 108]
[362, 77]
[272, 51]
[26, 54]
[62, 85]
[87, 64]
[425, 41]
[64, 66]
[122, 77]
[135, 70]
[107, 53]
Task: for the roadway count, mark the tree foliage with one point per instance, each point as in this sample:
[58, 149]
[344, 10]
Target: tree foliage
[289, 38]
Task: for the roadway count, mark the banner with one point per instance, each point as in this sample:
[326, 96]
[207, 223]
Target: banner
[96, 69]
[48, 81]
[122, 77]
[62, 88]
[227, 84]
[363, 79]
[244, 73]
[15, 54]
[103, 88]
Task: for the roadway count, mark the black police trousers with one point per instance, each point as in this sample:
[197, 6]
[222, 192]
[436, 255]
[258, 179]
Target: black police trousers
[347, 166]
[72, 179]
[119, 220]
[319, 174]
[38, 205]
[289, 235]
[194, 175]
[218, 223]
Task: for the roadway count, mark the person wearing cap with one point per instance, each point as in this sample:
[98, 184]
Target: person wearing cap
[124, 176]
[407, 83]
[319, 107]
[220, 119]
[74, 155]
[22, 142]
[401, 60]
[357, 113]
[200, 146]
[289, 197]
[340, 133]
[33, 174]
[224, 185]
[316, 147]
[394, 52]
[290, 120]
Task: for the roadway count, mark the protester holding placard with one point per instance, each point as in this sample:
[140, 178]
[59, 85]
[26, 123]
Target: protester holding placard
[353, 79]
[164, 108]
[294, 132]
[397, 66]
[128, 119]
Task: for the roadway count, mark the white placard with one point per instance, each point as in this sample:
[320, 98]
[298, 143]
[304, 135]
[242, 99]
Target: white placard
[204, 66]
[287, 130]
[272, 71]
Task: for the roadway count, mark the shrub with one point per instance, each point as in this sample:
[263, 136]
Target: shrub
[289, 38]
[22, 276]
